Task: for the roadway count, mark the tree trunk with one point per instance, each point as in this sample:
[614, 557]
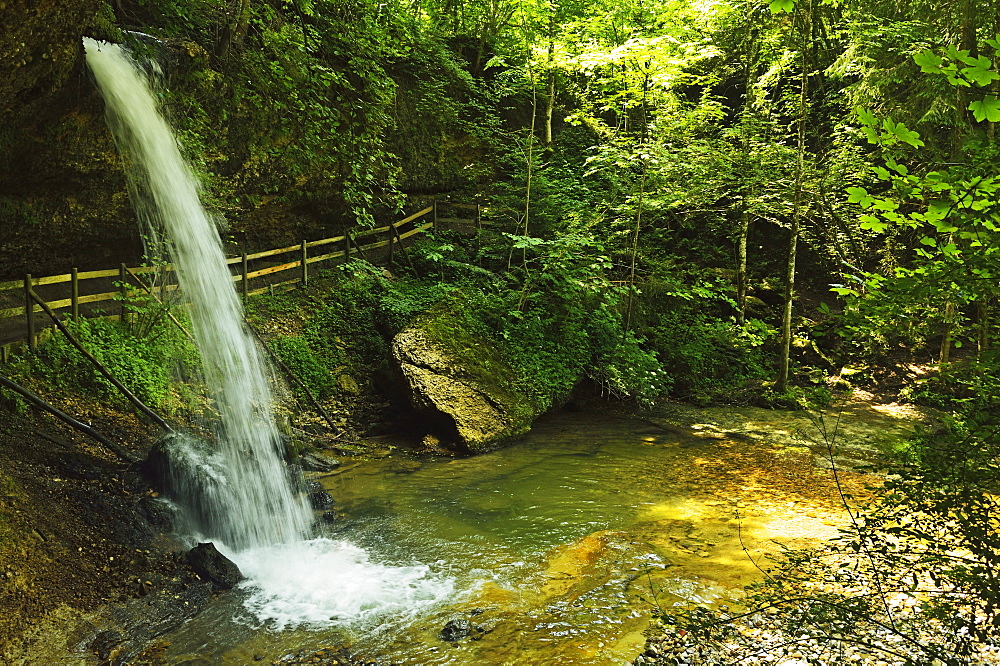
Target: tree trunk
[550, 104]
[550, 98]
[531, 164]
[741, 266]
[234, 31]
[983, 335]
[781, 385]
[949, 325]
[635, 243]
[66, 418]
[746, 190]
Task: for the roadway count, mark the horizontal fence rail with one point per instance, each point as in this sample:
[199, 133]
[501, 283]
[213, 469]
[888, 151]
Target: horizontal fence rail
[105, 293]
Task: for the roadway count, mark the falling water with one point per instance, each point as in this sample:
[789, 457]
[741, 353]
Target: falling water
[253, 503]
[240, 494]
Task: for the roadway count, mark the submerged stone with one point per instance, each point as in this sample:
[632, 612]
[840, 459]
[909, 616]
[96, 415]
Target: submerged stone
[456, 629]
[320, 500]
[215, 567]
[459, 379]
[314, 462]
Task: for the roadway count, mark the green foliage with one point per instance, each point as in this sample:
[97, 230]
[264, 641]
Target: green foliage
[952, 216]
[315, 370]
[711, 359]
[341, 331]
[145, 364]
[963, 69]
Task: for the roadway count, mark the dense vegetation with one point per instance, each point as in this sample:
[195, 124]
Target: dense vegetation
[728, 200]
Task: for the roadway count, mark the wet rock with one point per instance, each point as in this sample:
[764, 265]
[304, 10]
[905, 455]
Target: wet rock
[212, 565]
[158, 464]
[130, 627]
[105, 643]
[456, 629]
[329, 517]
[320, 500]
[313, 462]
[459, 382]
[157, 512]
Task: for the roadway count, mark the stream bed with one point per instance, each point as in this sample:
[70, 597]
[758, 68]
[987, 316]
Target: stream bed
[554, 550]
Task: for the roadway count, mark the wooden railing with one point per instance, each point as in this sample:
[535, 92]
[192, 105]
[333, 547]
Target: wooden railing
[20, 323]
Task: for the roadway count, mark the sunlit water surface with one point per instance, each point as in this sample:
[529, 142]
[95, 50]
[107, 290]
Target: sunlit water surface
[557, 547]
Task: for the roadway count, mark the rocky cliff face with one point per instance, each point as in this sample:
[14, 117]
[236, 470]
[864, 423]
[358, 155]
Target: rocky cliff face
[62, 191]
[39, 49]
[285, 153]
[458, 377]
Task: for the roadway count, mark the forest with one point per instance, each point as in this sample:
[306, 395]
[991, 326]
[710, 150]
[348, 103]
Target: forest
[787, 205]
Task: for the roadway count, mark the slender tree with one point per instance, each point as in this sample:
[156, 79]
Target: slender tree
[803, 19]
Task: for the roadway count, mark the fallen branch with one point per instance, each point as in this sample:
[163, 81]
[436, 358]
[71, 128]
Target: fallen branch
[66, 418]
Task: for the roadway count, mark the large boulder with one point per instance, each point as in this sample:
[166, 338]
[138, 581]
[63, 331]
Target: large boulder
[459, 379]
[213, 566]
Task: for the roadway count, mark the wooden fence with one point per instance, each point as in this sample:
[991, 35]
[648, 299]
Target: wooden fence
[70, 294]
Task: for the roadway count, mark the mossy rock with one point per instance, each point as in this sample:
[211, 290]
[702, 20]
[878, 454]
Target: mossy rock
[459, 378]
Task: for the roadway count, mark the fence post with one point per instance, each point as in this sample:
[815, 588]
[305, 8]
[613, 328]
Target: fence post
[435, 220]
[347, 246]
[123, 289]
[75, 296]
[392, 241]
[305, 266]
[29, 314]
[245, 289]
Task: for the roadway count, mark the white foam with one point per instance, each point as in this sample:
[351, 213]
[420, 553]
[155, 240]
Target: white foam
[321, 582]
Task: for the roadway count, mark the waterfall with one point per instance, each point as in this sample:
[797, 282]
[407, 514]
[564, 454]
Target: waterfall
[239, 494]
[253, 502]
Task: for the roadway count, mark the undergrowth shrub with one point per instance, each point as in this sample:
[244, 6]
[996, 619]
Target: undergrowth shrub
[146, 364]
[709, 359]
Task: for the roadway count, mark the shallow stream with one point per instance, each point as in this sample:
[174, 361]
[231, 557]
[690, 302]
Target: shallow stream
[555, 549]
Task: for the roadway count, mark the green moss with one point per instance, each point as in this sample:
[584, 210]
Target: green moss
[478, 360]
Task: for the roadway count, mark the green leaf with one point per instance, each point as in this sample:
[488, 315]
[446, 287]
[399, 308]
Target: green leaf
[955, 54]
[986, 109]
[859, 195]
[866, 117]
[905, 135]
[930, 62]
[873, 223]
[779, 6]
[981, 73]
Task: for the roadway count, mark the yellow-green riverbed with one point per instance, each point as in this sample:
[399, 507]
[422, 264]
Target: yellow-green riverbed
[557, 548]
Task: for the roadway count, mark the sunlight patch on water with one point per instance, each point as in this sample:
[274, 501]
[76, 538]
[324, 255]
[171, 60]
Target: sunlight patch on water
[316, 583]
